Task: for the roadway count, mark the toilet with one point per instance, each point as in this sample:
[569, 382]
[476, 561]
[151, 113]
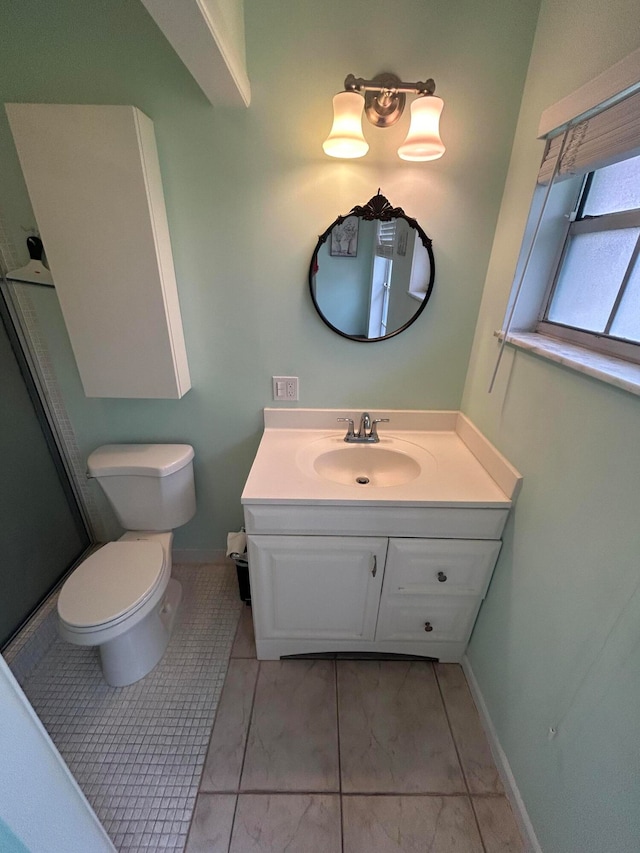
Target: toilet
[122, 597]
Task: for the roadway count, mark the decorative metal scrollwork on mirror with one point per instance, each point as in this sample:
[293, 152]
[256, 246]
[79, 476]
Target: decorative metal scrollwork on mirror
[372, 272]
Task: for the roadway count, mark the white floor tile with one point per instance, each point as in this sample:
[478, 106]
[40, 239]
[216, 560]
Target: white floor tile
[138, 751]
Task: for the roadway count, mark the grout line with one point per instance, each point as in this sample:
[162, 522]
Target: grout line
[475, 817]
[246, 743]
[244, 753]
[328, 792]
[438, 794]
[477, 823]
[235, 638]
[215, 720]
[335, 669]
[455, 744]
[453, 737]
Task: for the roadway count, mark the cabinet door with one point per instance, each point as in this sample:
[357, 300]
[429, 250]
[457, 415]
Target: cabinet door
[316, 587]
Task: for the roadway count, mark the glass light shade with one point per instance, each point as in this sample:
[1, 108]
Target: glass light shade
[423, 140]
[346, 139]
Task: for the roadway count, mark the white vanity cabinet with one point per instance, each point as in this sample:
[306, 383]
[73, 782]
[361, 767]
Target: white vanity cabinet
[395, 566]
[367, 594]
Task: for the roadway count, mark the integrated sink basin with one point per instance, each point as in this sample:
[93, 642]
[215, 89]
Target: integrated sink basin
[366, 465]
[390, 462]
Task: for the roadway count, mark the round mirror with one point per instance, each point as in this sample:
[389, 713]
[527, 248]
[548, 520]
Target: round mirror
[372, 272]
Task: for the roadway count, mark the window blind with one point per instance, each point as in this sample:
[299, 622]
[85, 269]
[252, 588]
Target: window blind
[386, 239]
[602, 139]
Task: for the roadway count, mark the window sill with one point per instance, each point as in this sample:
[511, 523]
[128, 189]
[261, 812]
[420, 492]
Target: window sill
[614, 371]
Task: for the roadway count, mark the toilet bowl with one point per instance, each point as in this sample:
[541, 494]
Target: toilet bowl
[122, 597]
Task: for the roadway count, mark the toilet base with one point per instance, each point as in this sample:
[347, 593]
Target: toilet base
[128, 658]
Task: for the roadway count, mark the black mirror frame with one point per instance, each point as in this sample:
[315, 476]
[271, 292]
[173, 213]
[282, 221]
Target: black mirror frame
[377, 207]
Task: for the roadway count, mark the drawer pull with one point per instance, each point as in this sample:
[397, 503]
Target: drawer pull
[442, 577]
[428, 627]
[374, 568]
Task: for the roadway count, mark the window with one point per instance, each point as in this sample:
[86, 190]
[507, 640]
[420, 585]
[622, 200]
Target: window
[595, 295]
[578, 276]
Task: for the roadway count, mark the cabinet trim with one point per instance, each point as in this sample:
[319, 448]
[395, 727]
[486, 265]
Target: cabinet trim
[410, 521]
[445, 652]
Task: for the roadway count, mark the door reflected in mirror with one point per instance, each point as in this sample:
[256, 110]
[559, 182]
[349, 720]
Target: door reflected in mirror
[372, 272]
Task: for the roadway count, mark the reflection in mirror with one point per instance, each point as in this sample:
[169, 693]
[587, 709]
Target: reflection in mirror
[372, 272]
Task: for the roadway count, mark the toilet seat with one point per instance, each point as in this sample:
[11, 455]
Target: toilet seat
[113, 584]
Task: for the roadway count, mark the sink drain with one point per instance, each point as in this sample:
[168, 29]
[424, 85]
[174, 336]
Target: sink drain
[362, 480]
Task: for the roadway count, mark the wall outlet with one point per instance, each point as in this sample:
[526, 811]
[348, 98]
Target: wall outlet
[285, 388]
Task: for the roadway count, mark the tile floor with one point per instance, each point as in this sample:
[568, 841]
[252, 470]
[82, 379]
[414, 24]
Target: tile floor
[138, 751]
[316, 756]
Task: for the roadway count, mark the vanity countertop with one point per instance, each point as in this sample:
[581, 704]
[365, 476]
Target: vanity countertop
[458, 466]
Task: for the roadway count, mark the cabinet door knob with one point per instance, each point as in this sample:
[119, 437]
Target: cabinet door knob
[428, 626]
[442, 577]
[374, 567]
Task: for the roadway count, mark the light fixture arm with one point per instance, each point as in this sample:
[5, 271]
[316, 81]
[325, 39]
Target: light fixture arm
[385, 96]
[359, 84]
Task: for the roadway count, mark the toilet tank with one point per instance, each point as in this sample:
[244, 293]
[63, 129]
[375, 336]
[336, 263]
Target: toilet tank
[150, 486]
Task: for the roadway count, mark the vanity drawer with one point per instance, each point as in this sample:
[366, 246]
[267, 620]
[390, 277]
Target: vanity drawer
[442, 618]
[439, 566]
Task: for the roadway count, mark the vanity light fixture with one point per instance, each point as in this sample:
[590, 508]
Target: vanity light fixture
[383, 103]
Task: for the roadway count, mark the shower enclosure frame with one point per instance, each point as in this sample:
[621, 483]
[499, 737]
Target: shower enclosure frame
[19, 340]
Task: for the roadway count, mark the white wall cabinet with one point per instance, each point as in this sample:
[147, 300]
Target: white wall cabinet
[93, 177]
[367, 594]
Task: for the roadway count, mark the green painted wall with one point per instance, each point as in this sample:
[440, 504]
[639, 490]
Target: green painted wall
[249, 190]
[558, 638]
[343, 285]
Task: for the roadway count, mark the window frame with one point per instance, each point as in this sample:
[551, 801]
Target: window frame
[544, 233]
[577, 223]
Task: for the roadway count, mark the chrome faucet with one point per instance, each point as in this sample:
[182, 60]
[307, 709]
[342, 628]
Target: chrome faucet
[367, 431]
[365, 424]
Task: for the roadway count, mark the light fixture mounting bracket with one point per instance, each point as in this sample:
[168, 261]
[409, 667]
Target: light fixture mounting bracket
[384, 96]
[384, 108]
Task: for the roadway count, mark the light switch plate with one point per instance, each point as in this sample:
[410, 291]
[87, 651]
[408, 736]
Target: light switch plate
[285, 388]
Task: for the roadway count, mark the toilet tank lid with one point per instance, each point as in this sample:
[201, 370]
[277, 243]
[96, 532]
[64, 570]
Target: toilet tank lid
[147, 460]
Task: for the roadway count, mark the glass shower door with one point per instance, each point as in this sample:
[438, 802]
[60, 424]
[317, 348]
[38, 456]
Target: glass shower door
[41, 530]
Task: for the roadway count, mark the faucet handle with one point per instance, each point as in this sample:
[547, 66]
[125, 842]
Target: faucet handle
[374, 426]
[350, 429]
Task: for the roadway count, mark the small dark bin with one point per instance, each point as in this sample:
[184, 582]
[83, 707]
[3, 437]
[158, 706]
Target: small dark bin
[242, 570]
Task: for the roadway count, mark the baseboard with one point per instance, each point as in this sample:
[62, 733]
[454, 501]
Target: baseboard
[33, 641]
[502, 763]
[198, 555]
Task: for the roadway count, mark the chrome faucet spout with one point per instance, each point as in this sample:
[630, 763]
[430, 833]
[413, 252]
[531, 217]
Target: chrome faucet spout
[365, 425]
[367, 431]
